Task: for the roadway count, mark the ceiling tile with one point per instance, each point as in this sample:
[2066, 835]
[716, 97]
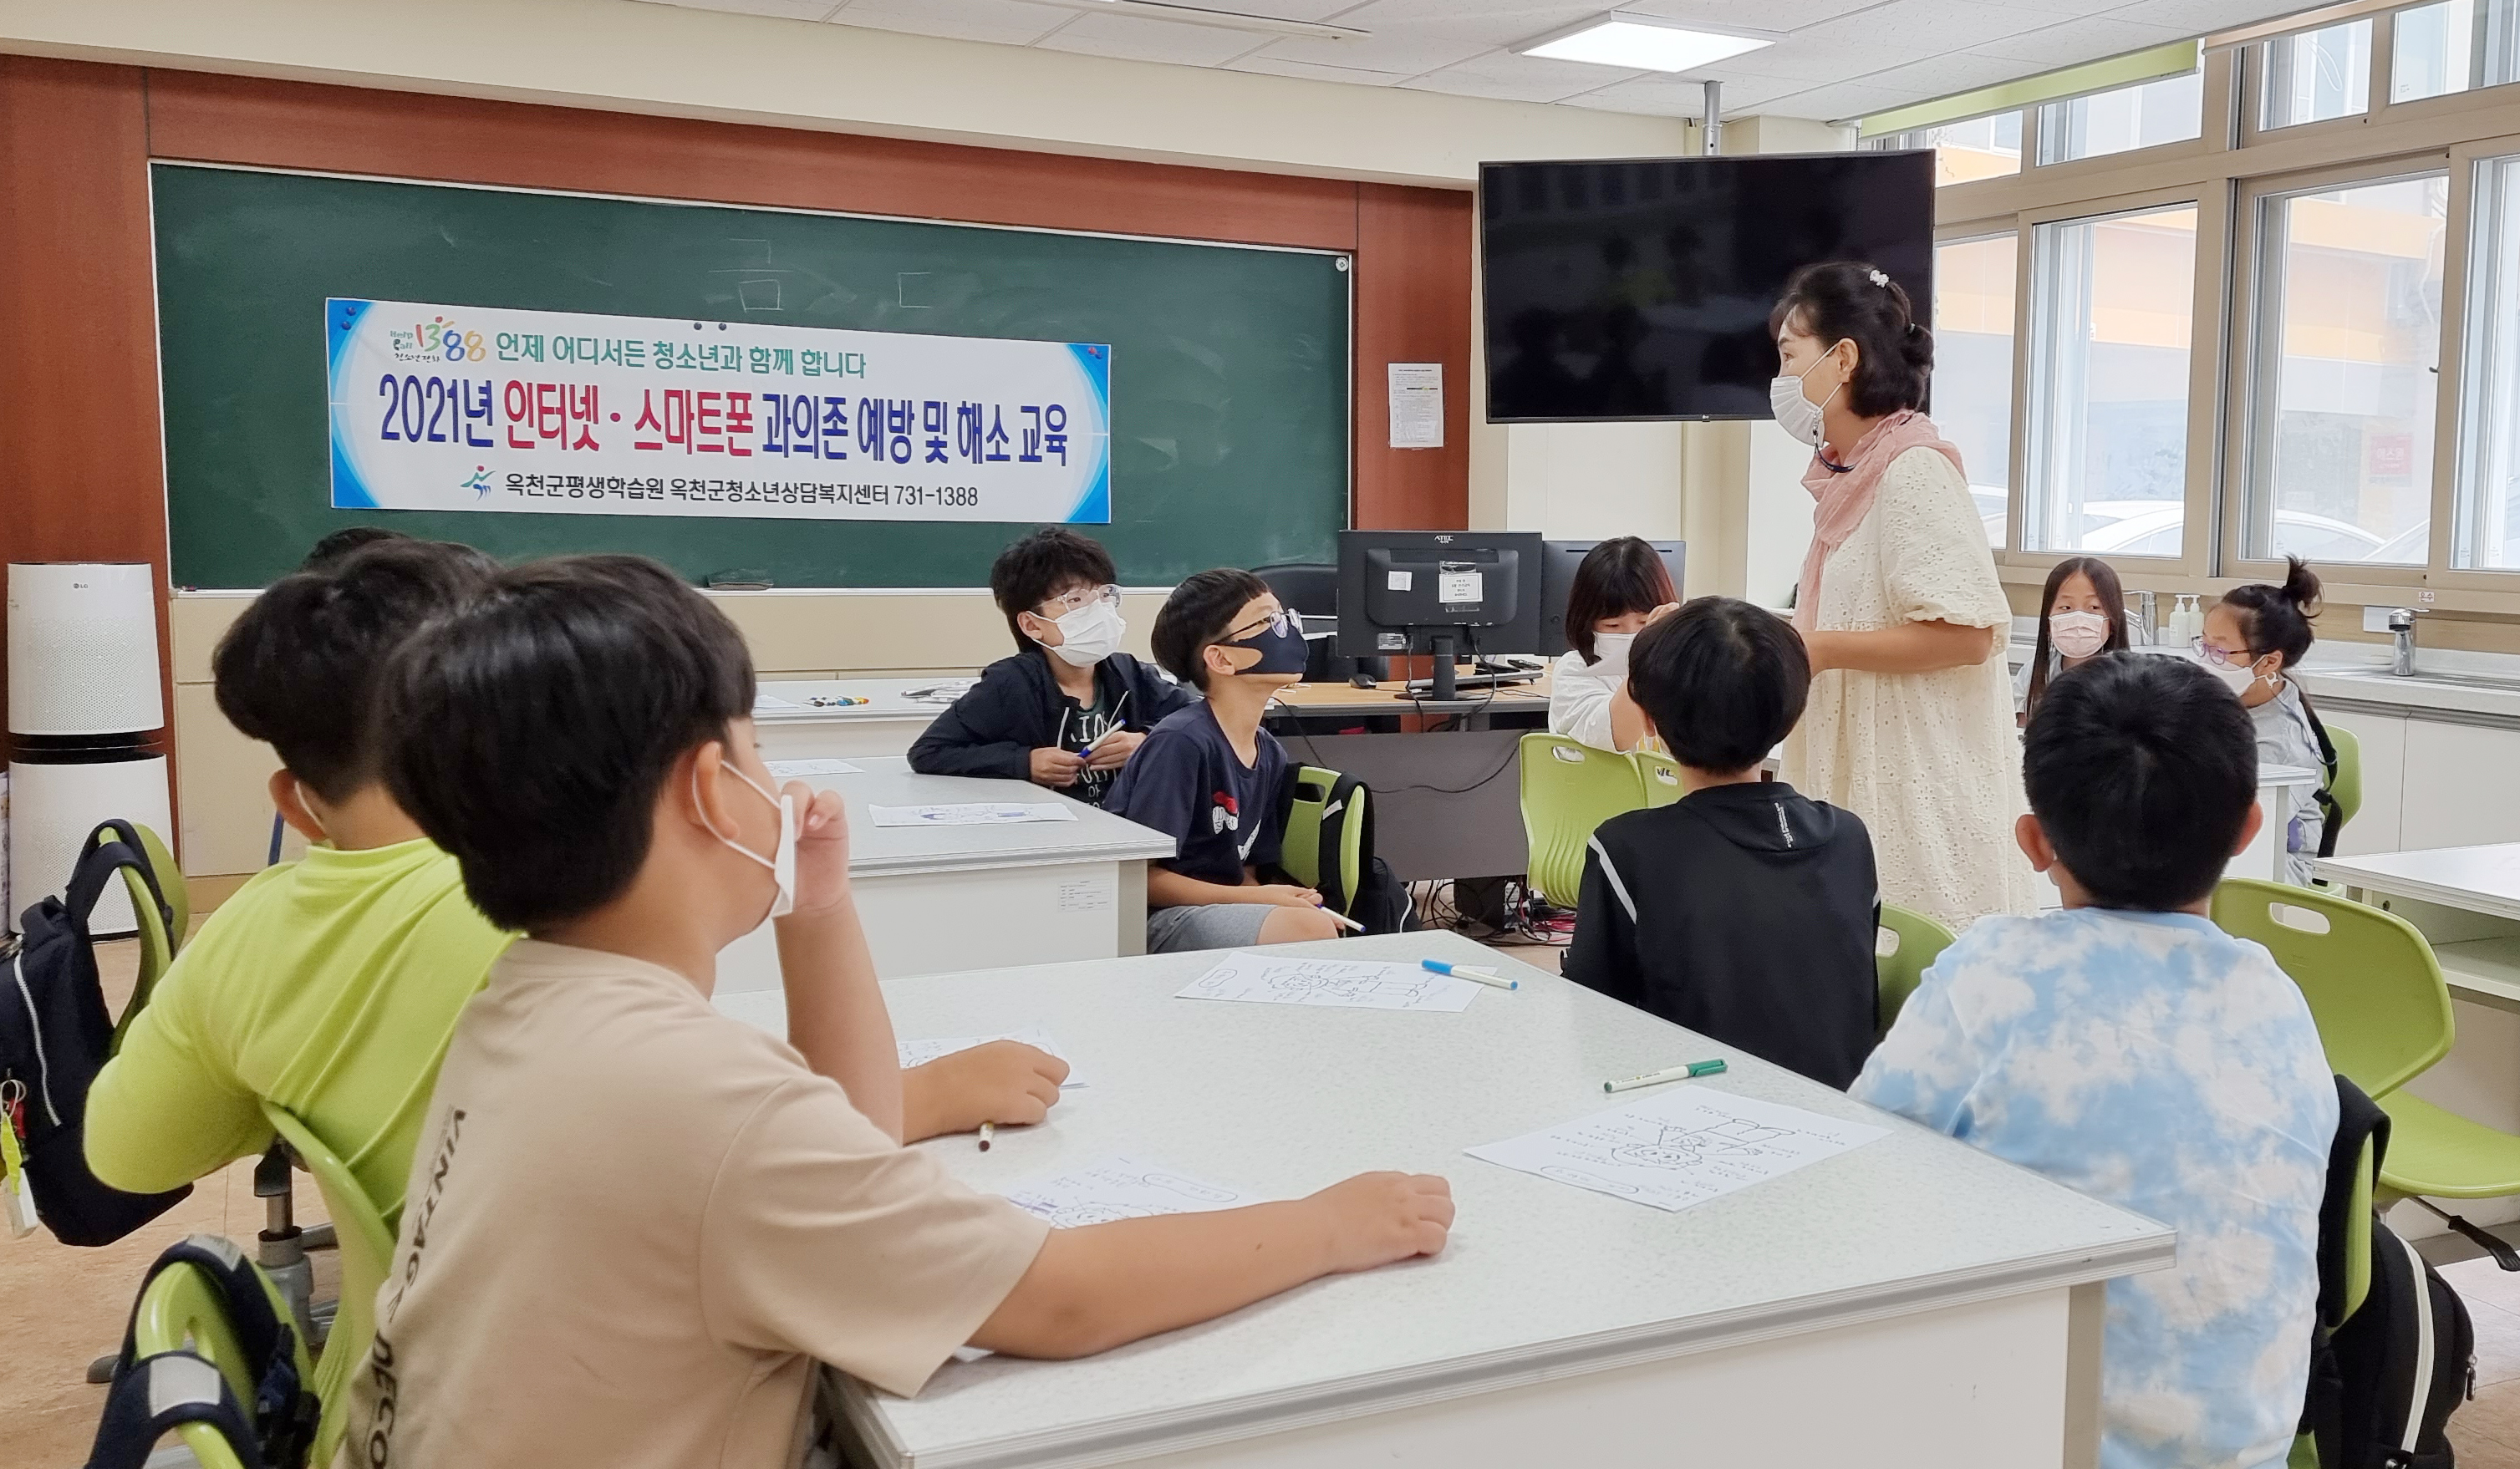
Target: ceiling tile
[1013, 22]
[1938, 25]
[1769, 15]
[793, 10]
[1815, 60]
[2087, 39]
[1678, 97]
[1139, 39]
[1943, 75]
[1263, 61]
[1843, 99]
[1521, 78]
[2200, 17]
[1418, 36]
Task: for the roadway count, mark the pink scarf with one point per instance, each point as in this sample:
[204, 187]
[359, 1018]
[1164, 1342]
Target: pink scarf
[1846, 496]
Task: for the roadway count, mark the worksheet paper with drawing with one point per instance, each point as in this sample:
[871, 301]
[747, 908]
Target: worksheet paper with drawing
[795, 769]
[970, 814]
[1349, 984]
[1120, 1187]
[920, 1053]
[1683, 1147]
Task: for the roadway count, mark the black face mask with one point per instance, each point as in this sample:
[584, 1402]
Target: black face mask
[1280, 647]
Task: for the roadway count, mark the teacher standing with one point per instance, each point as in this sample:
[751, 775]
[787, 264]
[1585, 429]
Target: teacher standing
[1909, 724]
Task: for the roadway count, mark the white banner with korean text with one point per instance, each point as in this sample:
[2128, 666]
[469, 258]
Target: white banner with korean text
[469, 408]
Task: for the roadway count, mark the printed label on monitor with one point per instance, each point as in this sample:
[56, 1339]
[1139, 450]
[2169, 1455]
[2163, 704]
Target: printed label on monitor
[1453, 588]
[1402, 581]
[1392, 643]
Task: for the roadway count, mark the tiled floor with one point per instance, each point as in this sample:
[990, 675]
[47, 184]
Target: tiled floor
[60, 1307]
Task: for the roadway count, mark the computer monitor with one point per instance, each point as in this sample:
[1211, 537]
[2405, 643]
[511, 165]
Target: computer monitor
[1439, 591]
[1558, 562]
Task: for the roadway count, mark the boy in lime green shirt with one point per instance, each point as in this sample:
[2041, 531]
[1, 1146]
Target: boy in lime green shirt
[330, 985]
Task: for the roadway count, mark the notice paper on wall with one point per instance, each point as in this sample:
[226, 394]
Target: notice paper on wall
[970, 814]
[920, 1053]
[1120, 1187]
[798, 770]
[1416, 404]
[1688, 1146]
[1348, 984]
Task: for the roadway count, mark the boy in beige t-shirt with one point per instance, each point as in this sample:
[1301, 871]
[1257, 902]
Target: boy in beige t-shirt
[634, 1224]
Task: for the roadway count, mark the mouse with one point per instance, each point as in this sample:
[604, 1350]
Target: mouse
[1361, 679]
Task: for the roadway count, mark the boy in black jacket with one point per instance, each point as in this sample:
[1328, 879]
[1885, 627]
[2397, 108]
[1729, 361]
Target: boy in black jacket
[1069, 709]
[1744, 912]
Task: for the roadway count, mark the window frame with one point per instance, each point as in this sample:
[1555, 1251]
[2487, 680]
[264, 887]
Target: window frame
[2251, 327]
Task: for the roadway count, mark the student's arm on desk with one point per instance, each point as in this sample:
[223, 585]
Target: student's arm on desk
[1094, 1288]
[1004, 1082]
[1166, 888]
[1910, 647]
[835, 1014]
[159, 1114]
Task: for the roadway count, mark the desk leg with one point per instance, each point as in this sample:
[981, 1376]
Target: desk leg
[2085, 1313]
[1132, 908]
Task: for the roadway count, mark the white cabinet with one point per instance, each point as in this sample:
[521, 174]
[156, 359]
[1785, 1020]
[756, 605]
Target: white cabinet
[2376, 826]
[2461, 787]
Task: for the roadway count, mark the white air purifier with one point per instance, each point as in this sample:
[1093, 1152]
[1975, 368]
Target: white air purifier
[84, 700]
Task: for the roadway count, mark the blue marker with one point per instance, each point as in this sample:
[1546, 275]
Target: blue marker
[1488, 977]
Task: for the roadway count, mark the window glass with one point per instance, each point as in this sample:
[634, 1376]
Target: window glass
[2453, 46]
[1973, 367]
[2113, 308]
[2489, 479]
[2345, 382]
[1983, 148]
[2171, 110]
[2313, 75]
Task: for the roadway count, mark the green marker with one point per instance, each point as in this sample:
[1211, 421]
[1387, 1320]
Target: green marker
[1675, 1074]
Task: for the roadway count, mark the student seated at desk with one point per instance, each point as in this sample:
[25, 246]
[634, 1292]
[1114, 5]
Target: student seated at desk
[2254, 639]
[1621, 587]
[329, 986]
[1069, 708]
[2130, 1050]
[1215, 781]
[638, 1225]
[2086, 618]
[1743, 910]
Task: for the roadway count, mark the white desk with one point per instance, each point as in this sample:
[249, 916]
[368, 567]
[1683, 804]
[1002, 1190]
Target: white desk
[940, 898]
[887, 726]
[1913, 1302]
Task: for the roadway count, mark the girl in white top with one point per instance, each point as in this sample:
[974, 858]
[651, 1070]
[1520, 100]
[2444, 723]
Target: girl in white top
[2254, 638]
[2086, 618]
[1909, 724]
[1621, 588]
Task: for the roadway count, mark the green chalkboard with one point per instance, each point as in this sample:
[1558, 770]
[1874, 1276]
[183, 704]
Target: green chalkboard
[1229, 365]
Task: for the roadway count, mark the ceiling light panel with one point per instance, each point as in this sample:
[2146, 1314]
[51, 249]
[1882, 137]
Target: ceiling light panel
[1643, 43]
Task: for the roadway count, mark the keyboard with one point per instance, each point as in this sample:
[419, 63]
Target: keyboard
[1472, 683]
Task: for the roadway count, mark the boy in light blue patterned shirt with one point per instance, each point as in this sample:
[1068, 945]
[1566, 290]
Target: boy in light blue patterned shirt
[2130, 1050]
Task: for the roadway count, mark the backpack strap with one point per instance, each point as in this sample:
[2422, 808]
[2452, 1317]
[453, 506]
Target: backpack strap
[2330, 822]
[284, 1410]
[101, 862]
[2358, 1119]
[160, 1393]
[1343, 810]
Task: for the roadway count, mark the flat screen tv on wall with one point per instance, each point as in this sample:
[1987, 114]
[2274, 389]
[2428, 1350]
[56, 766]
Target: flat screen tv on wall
[1639, 288]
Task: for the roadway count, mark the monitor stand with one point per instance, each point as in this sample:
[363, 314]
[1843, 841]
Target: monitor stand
[1444, 689]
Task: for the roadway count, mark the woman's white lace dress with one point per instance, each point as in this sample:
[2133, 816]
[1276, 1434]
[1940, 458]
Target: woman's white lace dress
[1930, 761]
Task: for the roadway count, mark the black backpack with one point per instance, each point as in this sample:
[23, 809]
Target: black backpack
[1381, 901]
[55, 1035]
[152, 1395]
[2385, 1379]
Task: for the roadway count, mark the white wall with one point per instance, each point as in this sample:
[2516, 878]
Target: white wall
[625, 56]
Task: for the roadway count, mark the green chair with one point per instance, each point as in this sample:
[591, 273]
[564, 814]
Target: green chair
[2345, 786]
[1569, 788]
[1660, 775]
[2358, 1282]
[158, 942]
[1326, 844]
[366, 1254]
[2373, 986]
[1915, 942]
[183, 1309]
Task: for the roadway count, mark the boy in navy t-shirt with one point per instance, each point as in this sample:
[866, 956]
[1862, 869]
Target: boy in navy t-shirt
[1213, 779]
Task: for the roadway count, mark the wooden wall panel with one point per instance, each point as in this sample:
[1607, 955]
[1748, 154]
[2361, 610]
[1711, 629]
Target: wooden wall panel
[80, 472]
[1412, 304]
[231, 120]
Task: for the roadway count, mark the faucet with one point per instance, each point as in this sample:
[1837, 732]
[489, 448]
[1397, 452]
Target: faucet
[2401, 629]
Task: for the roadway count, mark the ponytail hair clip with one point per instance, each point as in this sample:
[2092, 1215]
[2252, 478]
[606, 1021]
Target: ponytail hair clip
[1879, 279]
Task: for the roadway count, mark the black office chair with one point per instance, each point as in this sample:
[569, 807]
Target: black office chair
[1311, 589]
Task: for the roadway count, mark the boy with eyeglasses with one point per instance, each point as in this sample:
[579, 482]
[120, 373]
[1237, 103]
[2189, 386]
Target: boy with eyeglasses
[1069, 708]
[1214, 779]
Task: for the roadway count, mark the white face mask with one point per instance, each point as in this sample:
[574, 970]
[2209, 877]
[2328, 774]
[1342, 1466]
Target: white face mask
[1796, 414]
[1090, 633]
[2238, 679]
[782, 863]
[2078, 635]
[1610, 652]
